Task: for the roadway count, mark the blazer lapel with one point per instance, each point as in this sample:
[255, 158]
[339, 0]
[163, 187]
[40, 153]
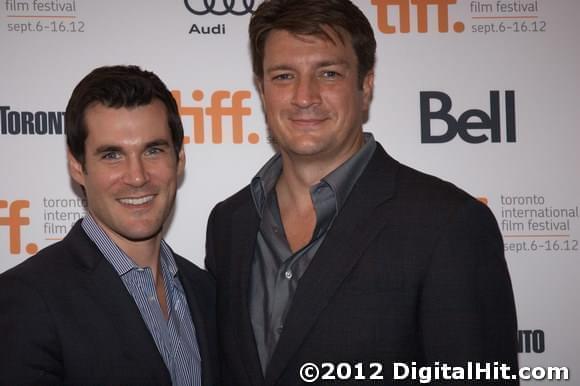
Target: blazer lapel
[246, 222]
[201, 329]
[355, 227]
[107, 290]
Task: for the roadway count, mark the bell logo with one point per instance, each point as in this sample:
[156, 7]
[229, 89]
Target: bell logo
[216, 111]
[470, 121]
[421, 7]
[14, 221]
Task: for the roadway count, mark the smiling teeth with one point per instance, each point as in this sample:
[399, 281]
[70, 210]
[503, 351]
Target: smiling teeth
[136, 201]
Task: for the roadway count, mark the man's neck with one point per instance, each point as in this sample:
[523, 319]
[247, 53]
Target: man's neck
[144, 253]
[299, 173]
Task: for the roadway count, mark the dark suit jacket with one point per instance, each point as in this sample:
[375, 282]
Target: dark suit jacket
[67, 318]
[412, 269]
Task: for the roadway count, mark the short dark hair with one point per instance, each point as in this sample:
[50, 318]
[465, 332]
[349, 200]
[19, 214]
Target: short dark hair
[310, 17]
[116, 87]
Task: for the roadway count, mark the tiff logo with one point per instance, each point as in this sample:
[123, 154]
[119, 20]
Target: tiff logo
[14, 221]
[223, 103]
[421, 9]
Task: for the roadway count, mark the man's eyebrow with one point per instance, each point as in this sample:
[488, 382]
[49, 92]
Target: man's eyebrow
[279, 67]
[107, 148]
[157, 142]
[322, 63]
[327, 63]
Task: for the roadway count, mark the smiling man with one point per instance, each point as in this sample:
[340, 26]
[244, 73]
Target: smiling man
[336, 257]
[111, 303]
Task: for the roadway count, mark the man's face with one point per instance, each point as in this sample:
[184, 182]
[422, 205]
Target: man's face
[312, 96]
[131, 170]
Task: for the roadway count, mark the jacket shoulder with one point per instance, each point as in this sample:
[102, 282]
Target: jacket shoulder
[420, 198]
[44, 265]
[409, 184]
[241, 198]
[428, 188]
[192, 271]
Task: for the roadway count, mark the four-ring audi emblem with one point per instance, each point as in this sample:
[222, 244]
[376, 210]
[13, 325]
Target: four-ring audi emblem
[220, 7]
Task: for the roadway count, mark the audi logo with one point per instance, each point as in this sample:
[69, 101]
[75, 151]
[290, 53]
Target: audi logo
[204, 7]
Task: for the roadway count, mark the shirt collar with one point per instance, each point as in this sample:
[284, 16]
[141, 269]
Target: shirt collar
[265, 181]
[115, 255]
[341, 180]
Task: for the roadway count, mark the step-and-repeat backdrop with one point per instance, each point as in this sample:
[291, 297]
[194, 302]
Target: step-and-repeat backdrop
[483, 93]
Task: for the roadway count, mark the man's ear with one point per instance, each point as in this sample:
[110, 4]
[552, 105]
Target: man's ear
[180, 162]
[259, 83]
[367, 88]
[75, 169]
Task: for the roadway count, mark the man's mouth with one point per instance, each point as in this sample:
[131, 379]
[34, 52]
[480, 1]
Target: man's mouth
[307, 121]
[136, 201]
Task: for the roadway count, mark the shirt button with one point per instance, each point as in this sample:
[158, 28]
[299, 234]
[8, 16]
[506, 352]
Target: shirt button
[279, 329]
[288, 274]
[151, 298]
[140, 270]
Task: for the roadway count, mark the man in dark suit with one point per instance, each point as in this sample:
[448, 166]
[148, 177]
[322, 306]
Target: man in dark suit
[111, 304]
[337, 263]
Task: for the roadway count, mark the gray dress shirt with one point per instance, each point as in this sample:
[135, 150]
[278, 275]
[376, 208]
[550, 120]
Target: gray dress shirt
[276, 271]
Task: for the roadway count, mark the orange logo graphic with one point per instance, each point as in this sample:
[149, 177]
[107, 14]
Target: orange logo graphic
[216, 112]
[421, 6]
[15, 222]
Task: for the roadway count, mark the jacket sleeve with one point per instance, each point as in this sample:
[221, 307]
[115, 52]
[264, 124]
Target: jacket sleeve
[467, 310]
[30, 353]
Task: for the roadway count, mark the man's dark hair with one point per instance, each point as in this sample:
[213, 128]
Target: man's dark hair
[117, 87]
[311, 17]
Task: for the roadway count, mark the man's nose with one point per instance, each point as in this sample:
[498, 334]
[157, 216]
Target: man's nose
[136, 173]
[306, 92]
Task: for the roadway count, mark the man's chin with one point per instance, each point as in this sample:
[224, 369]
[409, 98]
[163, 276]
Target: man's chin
[137, 235]
[306, 149]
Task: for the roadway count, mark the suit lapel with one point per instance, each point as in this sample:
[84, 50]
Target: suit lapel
[191, 293]
[106, 289]
[243, 244]
[355, 227]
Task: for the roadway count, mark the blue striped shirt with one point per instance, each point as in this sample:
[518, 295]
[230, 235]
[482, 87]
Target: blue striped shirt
[175, 337]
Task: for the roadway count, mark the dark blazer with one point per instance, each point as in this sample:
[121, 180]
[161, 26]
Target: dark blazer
[67, 318]
[412, 269]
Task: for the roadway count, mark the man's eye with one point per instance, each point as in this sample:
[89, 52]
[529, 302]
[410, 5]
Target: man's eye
[153, 151]
[111, 155]
[330, 74]
[283, 77]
